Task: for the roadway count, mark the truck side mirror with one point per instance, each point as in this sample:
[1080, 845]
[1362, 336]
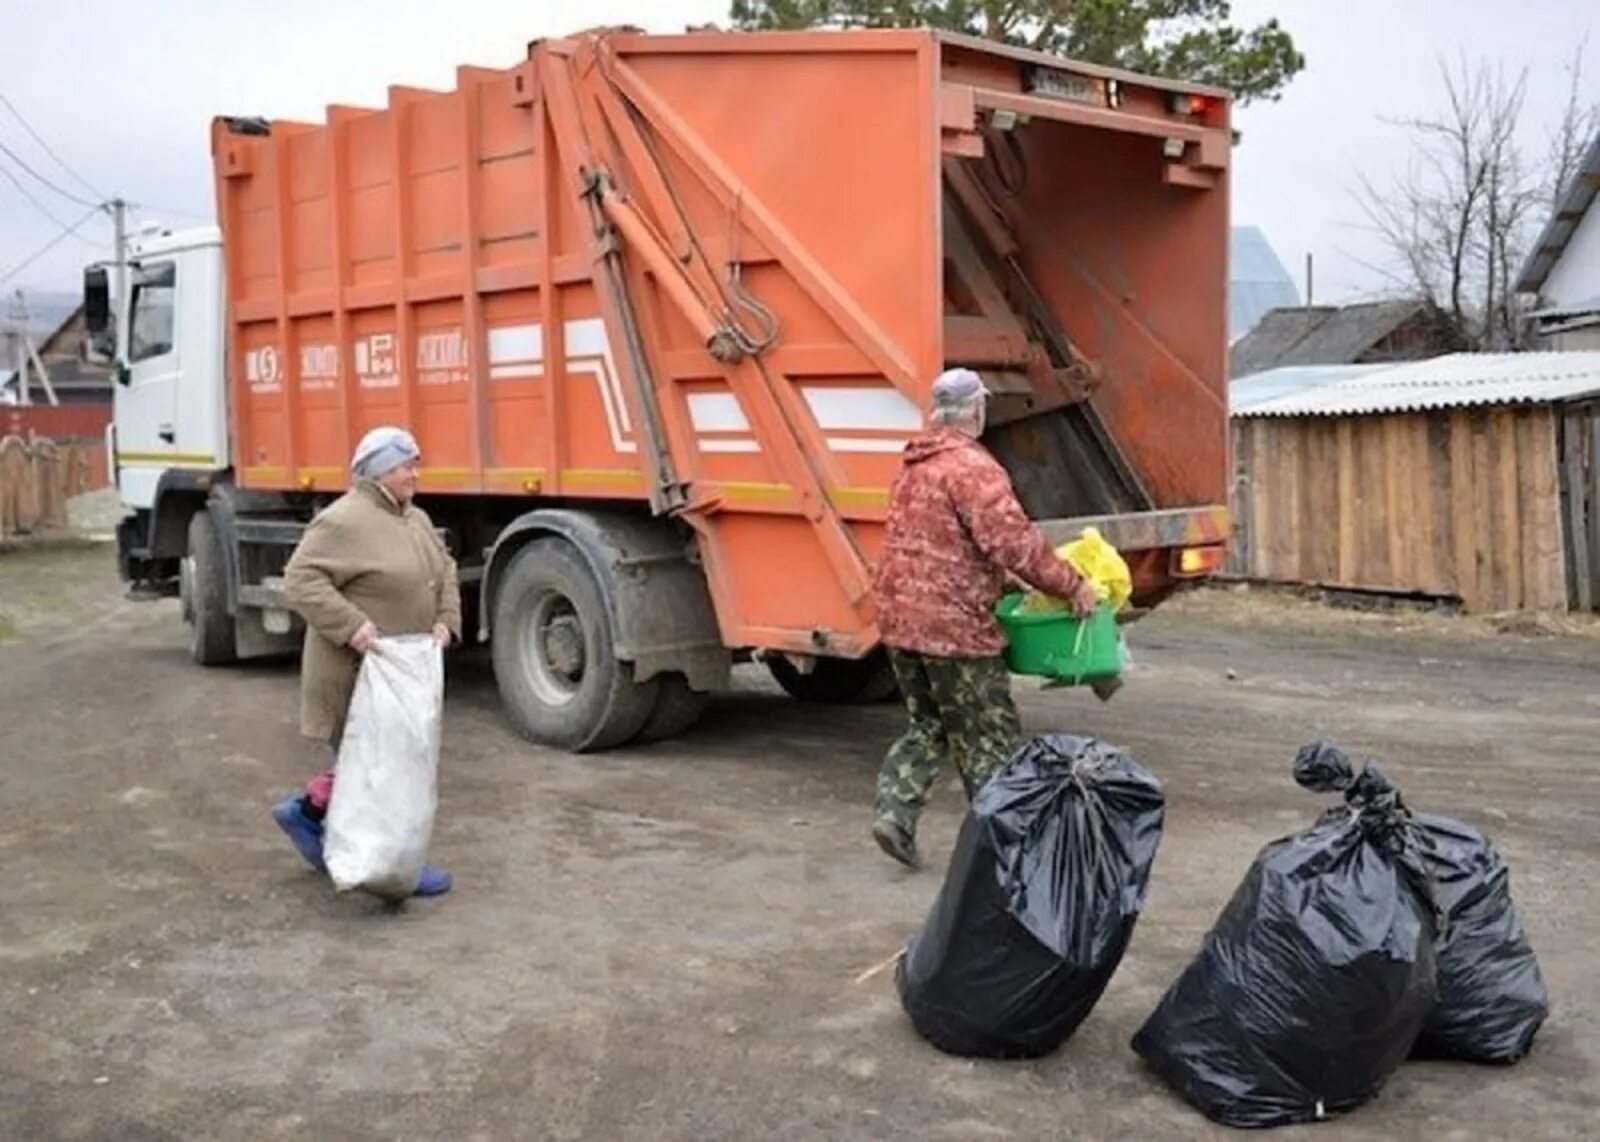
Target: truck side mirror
[100, 336]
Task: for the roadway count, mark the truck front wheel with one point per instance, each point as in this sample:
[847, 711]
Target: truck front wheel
[554, 654]
[205, 595]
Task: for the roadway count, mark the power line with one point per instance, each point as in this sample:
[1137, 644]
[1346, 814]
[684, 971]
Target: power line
[60, 162]
[67, 194]
[23, 190]
[47, 247]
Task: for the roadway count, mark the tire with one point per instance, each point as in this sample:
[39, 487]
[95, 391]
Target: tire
[837, 681]
[881, 686]
[554, 657]
[471, 598]
[677, 709]
[205, 595]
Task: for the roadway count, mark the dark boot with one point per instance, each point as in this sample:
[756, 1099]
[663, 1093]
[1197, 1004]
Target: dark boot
[897, 842]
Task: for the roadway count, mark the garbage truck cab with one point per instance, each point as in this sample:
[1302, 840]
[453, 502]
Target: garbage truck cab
[165, 337]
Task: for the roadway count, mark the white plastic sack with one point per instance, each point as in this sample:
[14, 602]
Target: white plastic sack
[380, 818]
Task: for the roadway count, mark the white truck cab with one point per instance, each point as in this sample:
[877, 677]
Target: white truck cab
[161, 328]
[170, 406]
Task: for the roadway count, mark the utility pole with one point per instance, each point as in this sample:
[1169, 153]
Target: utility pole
[119, 223]
[16, 332]
[1308, 279]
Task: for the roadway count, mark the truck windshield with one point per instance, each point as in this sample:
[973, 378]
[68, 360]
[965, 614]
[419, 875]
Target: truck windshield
[150, 329]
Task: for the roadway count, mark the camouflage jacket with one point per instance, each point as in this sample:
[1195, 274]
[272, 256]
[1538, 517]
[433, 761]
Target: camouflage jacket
[955, 529]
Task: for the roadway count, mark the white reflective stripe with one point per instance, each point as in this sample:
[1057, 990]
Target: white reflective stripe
[587, 338]
[874, 407]
[518, 351]
[864, 444]
[616, 409]
[717, 412]
[516, 343]
[725, 444]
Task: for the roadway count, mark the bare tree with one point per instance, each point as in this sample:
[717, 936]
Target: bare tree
[1577, 127]
[1458, 220]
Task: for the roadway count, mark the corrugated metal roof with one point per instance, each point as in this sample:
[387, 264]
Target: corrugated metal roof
[1245, 394]
[1564, 219]
[1459, 380]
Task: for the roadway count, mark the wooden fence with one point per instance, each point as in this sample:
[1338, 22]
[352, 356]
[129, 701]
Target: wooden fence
[39, 475]
[1462, 503]
[1580, 502]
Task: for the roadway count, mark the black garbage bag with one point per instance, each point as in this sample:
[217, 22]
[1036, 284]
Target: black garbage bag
[1492, 999]
[1039, 902]
[1491, 994]
[1318, 976]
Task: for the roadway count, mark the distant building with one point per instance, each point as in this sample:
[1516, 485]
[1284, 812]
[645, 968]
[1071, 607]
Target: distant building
[1367, 333]
[1563, 271]
[1468, 476]
[1257, 281]
[83, 390]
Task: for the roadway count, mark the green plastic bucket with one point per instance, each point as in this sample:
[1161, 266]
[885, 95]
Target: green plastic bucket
[1059, 645]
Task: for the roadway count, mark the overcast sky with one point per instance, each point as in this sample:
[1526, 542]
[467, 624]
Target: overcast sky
[124, 92]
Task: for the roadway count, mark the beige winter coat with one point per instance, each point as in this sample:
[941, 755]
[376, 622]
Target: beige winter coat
[363, 557]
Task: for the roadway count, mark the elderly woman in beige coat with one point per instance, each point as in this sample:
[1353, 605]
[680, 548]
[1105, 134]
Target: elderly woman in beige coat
[370, 564]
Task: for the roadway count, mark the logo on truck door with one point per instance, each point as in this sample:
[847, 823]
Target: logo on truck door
[375, 362]
[319, 367]
[261, 369]
[442, 357]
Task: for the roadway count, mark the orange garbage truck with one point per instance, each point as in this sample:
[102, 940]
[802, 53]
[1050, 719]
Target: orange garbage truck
[662, 312]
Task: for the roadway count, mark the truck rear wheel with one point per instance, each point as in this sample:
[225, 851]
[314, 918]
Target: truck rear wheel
[554, 657]
[677, 709]
[837, 681]
[205, 595]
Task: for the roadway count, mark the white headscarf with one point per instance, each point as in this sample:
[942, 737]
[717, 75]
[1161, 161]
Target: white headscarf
[382, 451]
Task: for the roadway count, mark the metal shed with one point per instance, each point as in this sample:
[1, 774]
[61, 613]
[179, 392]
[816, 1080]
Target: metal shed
[1470, 476]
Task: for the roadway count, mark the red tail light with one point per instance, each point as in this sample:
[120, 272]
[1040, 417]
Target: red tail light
[1193, 562]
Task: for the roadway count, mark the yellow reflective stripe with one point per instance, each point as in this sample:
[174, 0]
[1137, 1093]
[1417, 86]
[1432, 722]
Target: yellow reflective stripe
[742, 490]
[862, 497]
[167, 459]
[602, 476]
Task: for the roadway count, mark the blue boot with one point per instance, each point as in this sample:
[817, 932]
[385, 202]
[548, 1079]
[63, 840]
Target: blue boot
[433, 881]
[303, 830]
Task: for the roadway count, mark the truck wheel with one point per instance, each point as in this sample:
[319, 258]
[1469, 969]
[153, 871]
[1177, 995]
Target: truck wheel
[554, 661]
[205, 596]
[880, 686]
[677, 709]
[837, 681]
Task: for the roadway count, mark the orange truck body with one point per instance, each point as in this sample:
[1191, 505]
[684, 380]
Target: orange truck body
[713, 276]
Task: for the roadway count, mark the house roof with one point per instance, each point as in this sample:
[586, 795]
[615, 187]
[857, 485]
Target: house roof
[1459, 380]
[1563, 221]
[1565, 318]
[68, 373]
[1319, 335]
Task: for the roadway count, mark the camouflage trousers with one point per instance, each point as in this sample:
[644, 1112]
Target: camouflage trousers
[961, 710]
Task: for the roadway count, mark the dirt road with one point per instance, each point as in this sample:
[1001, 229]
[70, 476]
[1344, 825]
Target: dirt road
[661, 943]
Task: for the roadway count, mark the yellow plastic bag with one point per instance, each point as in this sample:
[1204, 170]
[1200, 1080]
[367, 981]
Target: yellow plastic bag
[1097, 561]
